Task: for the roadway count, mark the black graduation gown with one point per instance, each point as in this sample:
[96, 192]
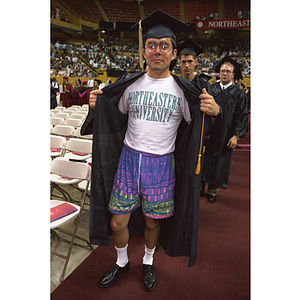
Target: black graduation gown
[179, 233]
[201, 83]
[53, 102]
[233, 101]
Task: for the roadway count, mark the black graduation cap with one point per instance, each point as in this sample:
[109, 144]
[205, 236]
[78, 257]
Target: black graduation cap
[161, 25]
[189, 45]
[205, 76]
[237, 67]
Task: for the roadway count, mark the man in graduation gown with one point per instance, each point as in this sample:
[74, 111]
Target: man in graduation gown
[68, 93]
[83, 94]
[188, 52]
[178, 233]
[233, 101]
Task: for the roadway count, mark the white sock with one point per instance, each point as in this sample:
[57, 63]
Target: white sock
[148, 257]
[122, 257]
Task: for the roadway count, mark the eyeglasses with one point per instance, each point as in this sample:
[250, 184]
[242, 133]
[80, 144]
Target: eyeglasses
[163, 46]
[226, 71]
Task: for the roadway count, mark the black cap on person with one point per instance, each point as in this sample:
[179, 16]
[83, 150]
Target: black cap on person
[161, 25]
[237, 67]
[189, 45]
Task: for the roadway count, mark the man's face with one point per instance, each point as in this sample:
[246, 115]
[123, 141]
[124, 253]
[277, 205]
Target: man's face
[187, 64]
[158, 54]
[226, 74]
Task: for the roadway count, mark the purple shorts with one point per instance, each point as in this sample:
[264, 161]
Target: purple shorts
[146, 180]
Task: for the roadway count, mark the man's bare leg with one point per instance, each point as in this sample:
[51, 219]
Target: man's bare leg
[119, 226]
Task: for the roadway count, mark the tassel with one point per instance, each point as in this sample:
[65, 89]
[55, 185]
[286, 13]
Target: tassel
[198, 168]
[141, 46]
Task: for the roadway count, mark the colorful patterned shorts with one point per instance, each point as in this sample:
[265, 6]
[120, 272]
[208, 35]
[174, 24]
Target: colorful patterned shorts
[146, 180]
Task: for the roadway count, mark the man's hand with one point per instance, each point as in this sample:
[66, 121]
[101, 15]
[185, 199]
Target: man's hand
[208, 104]
[232, 143]
[93, 98]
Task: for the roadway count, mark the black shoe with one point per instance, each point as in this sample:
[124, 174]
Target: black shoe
[211, 198]
[110, 277]
[149, 277]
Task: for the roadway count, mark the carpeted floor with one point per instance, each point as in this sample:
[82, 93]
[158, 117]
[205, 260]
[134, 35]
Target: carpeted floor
[222, 269]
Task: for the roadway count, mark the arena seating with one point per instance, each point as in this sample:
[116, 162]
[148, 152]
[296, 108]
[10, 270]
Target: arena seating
[169, 6]
[122, 11]
[200, 9]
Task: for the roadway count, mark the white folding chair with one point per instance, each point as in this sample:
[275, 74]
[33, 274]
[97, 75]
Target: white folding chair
[78, 171]
[73, 122]
[61, 108]
[82, 112]
[62, 115]
[73, 109]
[85, 106]
[78, 149]
[63, 130]
[55, 111]
[57, 146]
[56, 121]
[77, 134]
[78, 116]
[69, 112]
[51, 128]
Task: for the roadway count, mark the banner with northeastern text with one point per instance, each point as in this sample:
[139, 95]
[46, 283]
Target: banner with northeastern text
[222, 24]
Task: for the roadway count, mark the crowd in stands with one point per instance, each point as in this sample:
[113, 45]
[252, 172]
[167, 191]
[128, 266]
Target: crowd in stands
[79, 60]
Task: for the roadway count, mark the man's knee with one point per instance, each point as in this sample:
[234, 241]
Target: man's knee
[151, 224]
[119, 222]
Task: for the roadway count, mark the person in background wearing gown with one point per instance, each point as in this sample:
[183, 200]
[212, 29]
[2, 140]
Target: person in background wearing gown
[77, 85]
[53, 102]
[83, 94]
[68, 93]
[234, 105]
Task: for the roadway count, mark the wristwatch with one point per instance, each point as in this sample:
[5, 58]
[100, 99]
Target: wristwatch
[219, 113]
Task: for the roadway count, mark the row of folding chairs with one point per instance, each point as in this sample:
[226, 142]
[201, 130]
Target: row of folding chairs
[73, 148]
[73, 115]
[64, 171]
[68, 131]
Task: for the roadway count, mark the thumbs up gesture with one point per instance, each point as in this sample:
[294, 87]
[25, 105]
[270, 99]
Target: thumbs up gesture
[93, 98]
[208, 104]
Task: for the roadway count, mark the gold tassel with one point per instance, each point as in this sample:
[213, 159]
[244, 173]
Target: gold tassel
[198, 168]
[141, 46]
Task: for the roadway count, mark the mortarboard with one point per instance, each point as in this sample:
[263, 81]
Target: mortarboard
[84, 80]
[66, 77]
[189, 45]
[158, 25]
[237, 67]
[205, 76]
